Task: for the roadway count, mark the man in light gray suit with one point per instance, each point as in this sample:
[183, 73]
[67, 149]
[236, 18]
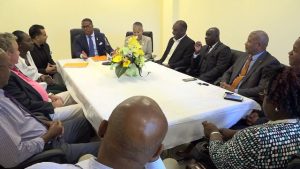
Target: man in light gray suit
[246, 75]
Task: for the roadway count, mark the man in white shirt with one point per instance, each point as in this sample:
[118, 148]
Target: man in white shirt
[180, 48]
[27, 66]
[132, 138]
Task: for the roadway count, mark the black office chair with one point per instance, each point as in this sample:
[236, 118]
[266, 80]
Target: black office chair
[53, 155]
[74, 33]
[146, 33]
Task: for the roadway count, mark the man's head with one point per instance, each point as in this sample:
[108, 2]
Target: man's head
[137, 29]
[257, 42]
[179, 29]
[87, 26]
[4, 68]
[134, 133]
[294, 55]
[24, 41]
[9, 45]
[212, 36]
[38, 34]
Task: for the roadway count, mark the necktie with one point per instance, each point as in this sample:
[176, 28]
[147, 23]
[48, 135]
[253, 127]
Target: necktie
[91, 46]
[242, 74]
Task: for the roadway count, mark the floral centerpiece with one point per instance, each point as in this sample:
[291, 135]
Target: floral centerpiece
[129, 59]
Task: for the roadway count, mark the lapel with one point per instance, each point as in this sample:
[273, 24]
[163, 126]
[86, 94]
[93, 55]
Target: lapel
[238, 68]
[255, 66]
[84, 42]
[180, 45]
[203, 54]
[26, 85]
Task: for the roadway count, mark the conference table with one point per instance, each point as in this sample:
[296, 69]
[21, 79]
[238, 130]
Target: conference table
[185, 104]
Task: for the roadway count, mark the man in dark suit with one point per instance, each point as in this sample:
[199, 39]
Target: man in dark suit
[90, 43]
[180, 48]
[294, 57]
[212, 60]
[246, 76]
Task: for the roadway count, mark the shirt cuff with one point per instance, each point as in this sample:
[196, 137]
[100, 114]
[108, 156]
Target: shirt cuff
[236, 90]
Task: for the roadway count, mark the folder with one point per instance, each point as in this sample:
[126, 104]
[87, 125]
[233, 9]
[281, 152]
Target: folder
[76, 65]
[99, 58]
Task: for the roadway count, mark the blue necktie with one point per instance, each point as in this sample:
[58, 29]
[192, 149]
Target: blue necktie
[91, 47]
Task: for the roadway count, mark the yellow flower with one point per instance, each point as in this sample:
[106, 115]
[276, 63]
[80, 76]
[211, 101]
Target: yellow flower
[126, 63]
[117, 58]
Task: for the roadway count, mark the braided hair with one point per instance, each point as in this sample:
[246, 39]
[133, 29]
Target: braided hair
[284, 91]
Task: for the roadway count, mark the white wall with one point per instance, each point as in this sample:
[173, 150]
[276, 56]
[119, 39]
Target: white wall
[235, 19]
[113, 17]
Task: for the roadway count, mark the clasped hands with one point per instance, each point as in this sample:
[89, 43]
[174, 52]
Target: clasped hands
[51, 69]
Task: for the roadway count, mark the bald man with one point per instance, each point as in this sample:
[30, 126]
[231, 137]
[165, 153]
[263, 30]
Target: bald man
[132, 138]
[245, 77]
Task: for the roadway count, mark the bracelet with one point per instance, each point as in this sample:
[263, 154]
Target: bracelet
[215, 132]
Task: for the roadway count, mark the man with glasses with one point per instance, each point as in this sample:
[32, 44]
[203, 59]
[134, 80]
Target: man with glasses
[90, 43]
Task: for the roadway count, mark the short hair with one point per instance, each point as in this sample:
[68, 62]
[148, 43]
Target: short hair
[216, 30]
[20, 36]
[6, 41]
[262, 37]
[283, 90]
[182, 24]
[138, 24]
[35, 30]
[87, 20]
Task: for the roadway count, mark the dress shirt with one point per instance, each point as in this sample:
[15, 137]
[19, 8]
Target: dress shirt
[173, 48]
[254, 58]
[31, 70]
[32, 83]
[41, 56]
[90, 163]
[94, 43]
[20, 133]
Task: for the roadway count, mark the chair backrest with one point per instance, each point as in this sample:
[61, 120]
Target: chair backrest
[145, 33]
[235, 54]
[74, 33]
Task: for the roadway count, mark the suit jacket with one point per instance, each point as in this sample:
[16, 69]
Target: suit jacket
[181, 57]
[41, 57]
[210, 66]
[27, 96]
[80, 44]
[254, 81]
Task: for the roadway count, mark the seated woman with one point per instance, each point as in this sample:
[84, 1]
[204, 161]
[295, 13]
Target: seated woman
[269, 145]
[145, 41]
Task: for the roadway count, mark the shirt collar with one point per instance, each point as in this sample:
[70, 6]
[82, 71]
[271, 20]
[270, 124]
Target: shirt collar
[92, 163]
[256, 56]
[178, 40]
[214, 45]
[92, 35]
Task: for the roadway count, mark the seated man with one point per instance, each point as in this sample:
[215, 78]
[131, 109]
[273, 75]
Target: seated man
[90, 43]
[30, 94]
[144, 41]
[180, 48]
[212, 60]
[23, 135]
[246, 76]
[41, 53]
[27, 67]
[132, 137]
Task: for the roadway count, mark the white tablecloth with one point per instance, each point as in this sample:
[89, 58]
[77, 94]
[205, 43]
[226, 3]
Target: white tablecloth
[185, 104]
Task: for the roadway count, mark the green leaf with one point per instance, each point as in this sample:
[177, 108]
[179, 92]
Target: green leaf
[120, 70]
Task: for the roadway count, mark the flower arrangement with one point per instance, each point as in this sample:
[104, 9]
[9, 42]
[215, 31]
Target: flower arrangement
[129, 59]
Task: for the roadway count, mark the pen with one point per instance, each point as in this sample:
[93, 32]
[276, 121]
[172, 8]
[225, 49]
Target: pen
[205, 84]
